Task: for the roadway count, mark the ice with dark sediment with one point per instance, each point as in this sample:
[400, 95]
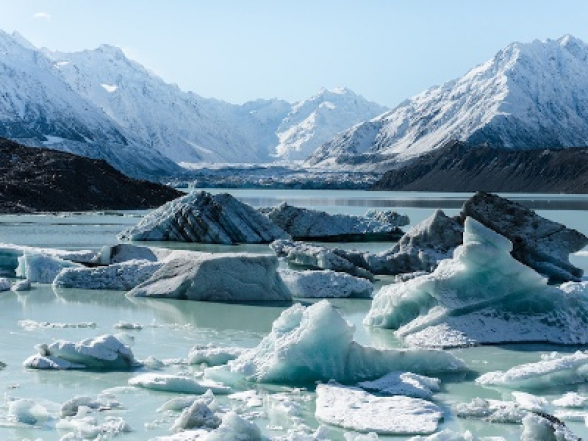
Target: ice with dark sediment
[103, 352]
[315, 343]
[482, 295]
[226, 277]
[205, 218]
[309, 224]
[325, 284]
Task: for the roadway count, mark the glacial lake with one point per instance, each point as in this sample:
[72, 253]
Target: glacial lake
[171, 328]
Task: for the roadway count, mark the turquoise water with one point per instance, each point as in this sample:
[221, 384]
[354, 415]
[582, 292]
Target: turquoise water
[171, 328]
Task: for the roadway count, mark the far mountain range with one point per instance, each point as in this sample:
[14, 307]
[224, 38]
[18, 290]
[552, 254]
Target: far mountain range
[101, 104]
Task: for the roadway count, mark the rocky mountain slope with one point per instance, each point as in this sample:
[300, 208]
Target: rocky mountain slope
[37, 179]
[529, 96]
[458, 167]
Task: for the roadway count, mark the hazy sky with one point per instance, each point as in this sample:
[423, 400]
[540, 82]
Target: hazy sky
[238, 50]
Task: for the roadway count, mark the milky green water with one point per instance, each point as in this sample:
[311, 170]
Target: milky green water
[171, 328]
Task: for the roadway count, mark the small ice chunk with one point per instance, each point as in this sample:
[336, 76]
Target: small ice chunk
[570, 399]
[71, 407]
[213, 355]
[403, 383]
[41, 268]
[564, 369]
[545, 428]
[354, 436]
[197, 416]
[530, 402]
[177, 383]
[4, 284]
[128, 326]
[233, 427]
[353, 408]
[250, 397]
[27, 411]
[571, 415]
[103, 352]
[449, 435]
[325, 284]
[491, 410]
[153, 363]
[22, 285]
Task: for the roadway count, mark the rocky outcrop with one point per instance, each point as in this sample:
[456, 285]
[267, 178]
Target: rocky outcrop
[307, 224]
[205, 218]
[540, 243]
[460, 167]
[35, 179]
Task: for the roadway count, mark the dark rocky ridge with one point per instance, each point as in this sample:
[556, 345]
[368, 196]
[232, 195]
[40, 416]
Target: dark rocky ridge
[36, 180]
[458, 167]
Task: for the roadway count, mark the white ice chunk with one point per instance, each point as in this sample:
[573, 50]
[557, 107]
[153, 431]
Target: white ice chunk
[491, 410]
[120, 276]
[27, 411]
[250, 397]
[537, 427]
[570, 399]
[353, 408]
[403, 383]
[571, 415]
[103, 352]
[213, 355]
[327, 284]
[482, 295]
[530, 402]
[4, 284]
[197, 416]
[566, 369]
[22, 285]
[177, 383]
[449, 435]
[70, 407]
[315, 343]
[41, 268]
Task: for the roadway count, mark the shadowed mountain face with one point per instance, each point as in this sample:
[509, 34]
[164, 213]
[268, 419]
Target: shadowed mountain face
[459, 167]
[34, 179]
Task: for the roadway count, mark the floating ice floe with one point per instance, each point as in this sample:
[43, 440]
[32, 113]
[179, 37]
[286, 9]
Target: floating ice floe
[482, 295]
[83, 426]
[118, 276]
[41, 268]
[230, 277]
[530, 402]
[545, 427]
[180, 403]
[570, 399]
[354, 408]
[403, 383]
[28, 411]
[32, 324]
[450, 435]
[315, 343]
[103, 352]
[102, 402]
[177, 383]
[325, 284]
[556, 369]
[4, 284]
[205, 218]
[21, 285]
[494, 411]
[9, 254]
[196, 416]
[308, 224]
[213, 355]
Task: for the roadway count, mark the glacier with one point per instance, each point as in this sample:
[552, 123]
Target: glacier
[482, 295]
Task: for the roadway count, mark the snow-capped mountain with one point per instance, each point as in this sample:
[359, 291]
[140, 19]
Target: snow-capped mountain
[316, 120]
[528, 96]
[38, 108]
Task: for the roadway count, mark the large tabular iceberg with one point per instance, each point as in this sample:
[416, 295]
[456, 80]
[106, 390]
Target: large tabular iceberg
[482, 295]
[307, 224]
[202, 217]
[315, 343]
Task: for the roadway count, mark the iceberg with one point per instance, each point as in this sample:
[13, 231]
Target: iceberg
[177, 383]
[570, 400]
[553, 370]
[325, 284]
[212, 355]
[495, 411]
[544, 427]
[4, 284]
[307, 224]
[482, 295]
[41, 268]
[103, 352]
[196, 416]
[353, 408]
[540, 243]
[205, 218]
[226, 277]
[308, 344]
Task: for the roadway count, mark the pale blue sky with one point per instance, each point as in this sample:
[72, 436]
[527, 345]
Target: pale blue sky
[238, 50]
